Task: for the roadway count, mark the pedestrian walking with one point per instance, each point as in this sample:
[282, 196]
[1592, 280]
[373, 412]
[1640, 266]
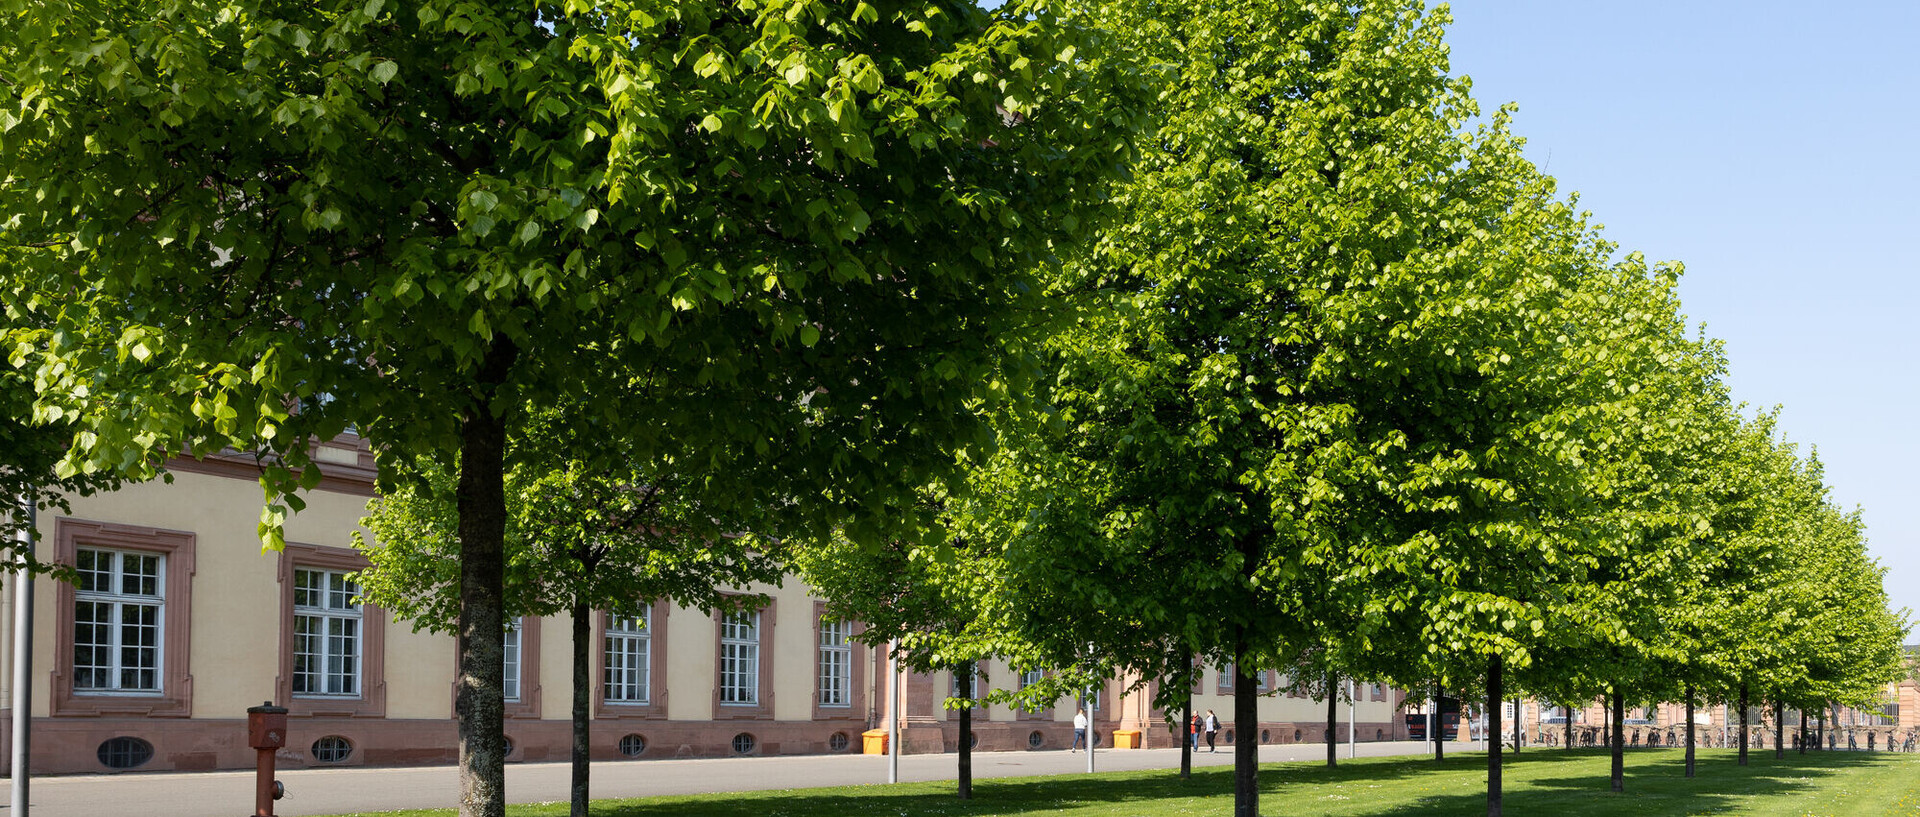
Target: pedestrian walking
[1079, 730]
[1212, 727]
[1193, 733]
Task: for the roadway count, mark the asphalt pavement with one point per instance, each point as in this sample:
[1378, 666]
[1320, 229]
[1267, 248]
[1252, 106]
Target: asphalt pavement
[362, 790]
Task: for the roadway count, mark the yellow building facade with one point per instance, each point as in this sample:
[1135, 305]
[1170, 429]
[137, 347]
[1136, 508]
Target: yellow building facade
[178, 622]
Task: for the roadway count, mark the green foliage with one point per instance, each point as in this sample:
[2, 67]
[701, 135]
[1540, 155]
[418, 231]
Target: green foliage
[29, 453]
[770, 247]
[783, 232]
[615, 534]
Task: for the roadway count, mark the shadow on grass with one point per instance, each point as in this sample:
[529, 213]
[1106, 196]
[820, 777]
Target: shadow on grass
[1141, 792]
[1565, 784]
[1654, 783]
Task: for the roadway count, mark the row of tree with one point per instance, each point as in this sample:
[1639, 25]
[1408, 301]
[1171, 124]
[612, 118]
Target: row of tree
[1019, 332]
[1346, 389]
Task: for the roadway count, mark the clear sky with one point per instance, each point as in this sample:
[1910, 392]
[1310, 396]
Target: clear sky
[1773, 148]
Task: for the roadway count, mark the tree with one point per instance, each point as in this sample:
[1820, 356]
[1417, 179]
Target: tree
[776, 234]
[1309, 366]
[596, 531]
[29, 453]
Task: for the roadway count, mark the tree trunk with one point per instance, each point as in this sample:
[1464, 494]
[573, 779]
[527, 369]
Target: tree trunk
[1186, 735]
[1779, 730]
[1246, 742]
[1569, 727]
[1743, 724]
[1333, 719]
[1803, 730]
[481, 501]
[966, 731]
[1439, 725]
[1689, 692]
[1820, 732]
[1494, 694]
[1619, 739]
[582, 714]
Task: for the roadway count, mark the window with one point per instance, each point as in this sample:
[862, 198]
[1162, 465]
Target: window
[743, 666]
[332, 749]
[740, 658]
[117, 612]
[1379, 692]
[120, 629]
[1029, 678]
[629, 659]
[124, 753]
[510, 656]
[1226, 674]
[836, 662]
[326, 634]
[966, 685]
[1260, 681]
[332, 645]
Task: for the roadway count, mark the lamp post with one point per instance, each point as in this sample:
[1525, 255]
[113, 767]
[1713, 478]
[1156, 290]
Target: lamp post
[1093, 707]
[22, 663]
[1353, 712]
[893, 712]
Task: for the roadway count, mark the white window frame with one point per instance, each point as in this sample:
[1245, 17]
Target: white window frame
[337, 606]
[510, 661]
[836, 663]
[627, 651]
[971, 694]
[118, 602]
[740, 659]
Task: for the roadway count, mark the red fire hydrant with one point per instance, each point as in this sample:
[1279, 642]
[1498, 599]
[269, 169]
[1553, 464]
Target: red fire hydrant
[266, 732]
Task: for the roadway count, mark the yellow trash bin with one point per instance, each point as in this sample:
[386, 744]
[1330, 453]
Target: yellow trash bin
[1126, 739]
[873, 742]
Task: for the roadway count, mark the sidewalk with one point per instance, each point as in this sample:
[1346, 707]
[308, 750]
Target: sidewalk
[352, 790]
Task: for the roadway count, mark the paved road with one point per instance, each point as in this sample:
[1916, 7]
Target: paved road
[356, 790]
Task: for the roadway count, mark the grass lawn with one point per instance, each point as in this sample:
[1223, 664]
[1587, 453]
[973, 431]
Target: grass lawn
[1538, 781]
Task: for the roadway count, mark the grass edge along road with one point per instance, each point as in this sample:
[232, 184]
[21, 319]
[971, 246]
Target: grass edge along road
[1542, 781]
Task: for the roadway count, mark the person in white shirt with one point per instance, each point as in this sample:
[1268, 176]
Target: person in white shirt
[1079, 730]
[1212, 728]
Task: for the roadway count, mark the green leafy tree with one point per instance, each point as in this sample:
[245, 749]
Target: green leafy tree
[1302, 407]
[29, 453]
[599, 531]
[781, 234]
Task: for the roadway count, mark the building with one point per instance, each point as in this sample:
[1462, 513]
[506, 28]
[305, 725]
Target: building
[179, 622]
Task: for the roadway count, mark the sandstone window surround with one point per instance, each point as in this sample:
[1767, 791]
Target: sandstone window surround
[171, 557]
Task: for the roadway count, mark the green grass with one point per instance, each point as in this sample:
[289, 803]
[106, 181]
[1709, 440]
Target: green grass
[1543, 782]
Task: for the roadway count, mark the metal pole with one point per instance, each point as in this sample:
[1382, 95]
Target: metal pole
[893, 713]
[1093, 708]
[1353, 713]
[1093, 735]
[22, 666]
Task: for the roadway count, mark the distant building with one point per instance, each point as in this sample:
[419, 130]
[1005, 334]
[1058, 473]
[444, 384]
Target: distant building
[179, 622]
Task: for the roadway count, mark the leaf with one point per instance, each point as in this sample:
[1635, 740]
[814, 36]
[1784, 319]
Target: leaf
[809, 335]
[384, 71]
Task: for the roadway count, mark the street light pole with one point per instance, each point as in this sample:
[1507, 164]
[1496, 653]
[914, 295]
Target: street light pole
[893, 712]
[1353, 712]
[23, 664]
[1093, 733]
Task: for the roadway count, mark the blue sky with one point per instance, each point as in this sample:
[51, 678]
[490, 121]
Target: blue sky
[1774, 149]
